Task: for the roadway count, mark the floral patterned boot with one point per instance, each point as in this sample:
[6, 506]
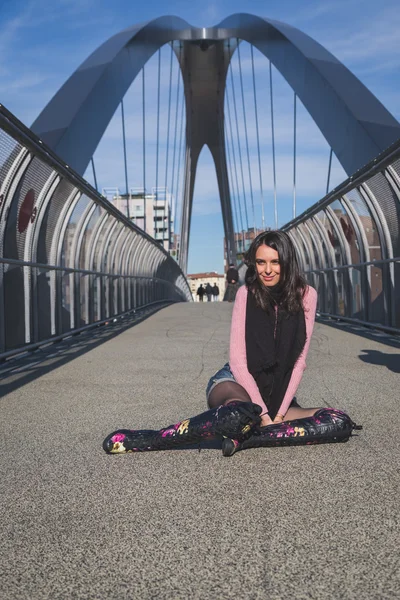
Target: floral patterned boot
[327, 425]
[234, 420]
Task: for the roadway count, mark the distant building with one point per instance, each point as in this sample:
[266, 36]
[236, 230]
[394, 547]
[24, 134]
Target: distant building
[211, 277]
[243, 240]
[175, 246]
[151, 212]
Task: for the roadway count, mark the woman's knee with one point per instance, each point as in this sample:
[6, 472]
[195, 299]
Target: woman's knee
[225, 392]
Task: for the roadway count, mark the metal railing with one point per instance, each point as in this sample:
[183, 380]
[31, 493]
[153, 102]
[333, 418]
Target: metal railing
[69, 259]
[348, 245]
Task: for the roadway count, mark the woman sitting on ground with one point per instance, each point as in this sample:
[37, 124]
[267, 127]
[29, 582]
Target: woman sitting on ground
[272, 323]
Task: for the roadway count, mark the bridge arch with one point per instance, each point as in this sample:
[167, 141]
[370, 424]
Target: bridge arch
[353, 121]
[355, 124]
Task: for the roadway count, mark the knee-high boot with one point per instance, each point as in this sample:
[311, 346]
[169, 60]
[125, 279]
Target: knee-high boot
[234, 420]
[327, 425]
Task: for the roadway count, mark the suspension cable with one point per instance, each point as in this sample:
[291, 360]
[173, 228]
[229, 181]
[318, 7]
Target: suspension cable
[239, 225]
[239, 148]
[246, 136]
[168, 128]
[144, 146]
[232, 187]
[158, 120]
[231, 178]
[94, 175]
[329, 171]
[233, 149]
[223, 183]
[273, 143]
[180, 154]
[176, 127]
[125, 162]
[258, 140]
[294, 154]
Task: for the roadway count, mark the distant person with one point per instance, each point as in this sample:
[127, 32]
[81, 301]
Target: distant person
[200, 292]
[232, 280]
[232, 275]
[215, 292]
[209, 292]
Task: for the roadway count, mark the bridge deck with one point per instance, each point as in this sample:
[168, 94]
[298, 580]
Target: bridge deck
[307, 522]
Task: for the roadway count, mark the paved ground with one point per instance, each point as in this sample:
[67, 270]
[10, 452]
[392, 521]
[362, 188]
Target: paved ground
[307, 522]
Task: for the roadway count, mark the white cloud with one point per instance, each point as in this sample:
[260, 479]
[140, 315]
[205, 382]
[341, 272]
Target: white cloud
[373, 40]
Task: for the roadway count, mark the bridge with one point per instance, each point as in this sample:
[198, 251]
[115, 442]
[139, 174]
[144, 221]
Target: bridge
[98, 330]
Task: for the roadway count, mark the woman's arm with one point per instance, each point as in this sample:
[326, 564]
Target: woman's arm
[310, 307]
[237, 352]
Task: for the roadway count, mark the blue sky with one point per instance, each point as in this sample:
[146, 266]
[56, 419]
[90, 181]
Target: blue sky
[43, 42]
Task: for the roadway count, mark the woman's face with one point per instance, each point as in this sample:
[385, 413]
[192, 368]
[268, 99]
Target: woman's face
[268, 266]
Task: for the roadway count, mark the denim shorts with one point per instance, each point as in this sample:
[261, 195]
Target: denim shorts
[224, 374]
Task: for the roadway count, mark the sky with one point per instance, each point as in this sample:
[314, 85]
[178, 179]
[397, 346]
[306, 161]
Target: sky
[42, 42]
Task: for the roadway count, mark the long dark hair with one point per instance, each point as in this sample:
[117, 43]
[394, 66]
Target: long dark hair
[291, 286]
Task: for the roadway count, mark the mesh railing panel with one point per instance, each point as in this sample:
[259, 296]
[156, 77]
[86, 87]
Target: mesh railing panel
[396, 166]
[10, 150]
[64, 192]
[48, 285]
[71, 232]
[97, 258]
[22, 208]
[333, 238]
[14, 306]
[87, 236]
[363, 282]
[390, 206]
[368, 223]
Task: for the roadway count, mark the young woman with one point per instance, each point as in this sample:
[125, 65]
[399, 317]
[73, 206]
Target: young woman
[272, 323]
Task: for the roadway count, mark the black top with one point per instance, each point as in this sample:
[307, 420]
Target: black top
[232, 275]
[274, 342]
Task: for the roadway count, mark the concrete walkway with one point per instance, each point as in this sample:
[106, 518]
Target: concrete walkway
[306, 522]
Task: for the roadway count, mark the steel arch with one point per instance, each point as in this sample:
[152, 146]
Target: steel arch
[355, 124]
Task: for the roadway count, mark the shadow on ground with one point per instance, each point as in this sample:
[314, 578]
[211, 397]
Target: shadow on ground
[369, 334]
[375, 357]
[20, 371]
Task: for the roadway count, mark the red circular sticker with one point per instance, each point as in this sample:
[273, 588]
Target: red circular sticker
[26, 211]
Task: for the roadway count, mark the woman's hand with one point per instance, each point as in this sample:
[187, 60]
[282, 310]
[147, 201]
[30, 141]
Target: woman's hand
[265, 420]
[278, 418]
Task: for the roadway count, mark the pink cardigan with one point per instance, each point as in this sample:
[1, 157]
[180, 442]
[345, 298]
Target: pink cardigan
[237, 350]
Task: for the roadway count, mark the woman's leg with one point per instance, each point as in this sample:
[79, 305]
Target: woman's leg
[235, 420]
[225, 392]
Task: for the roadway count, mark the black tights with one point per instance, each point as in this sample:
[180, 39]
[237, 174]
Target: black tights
[225, 392]
[230, 391]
